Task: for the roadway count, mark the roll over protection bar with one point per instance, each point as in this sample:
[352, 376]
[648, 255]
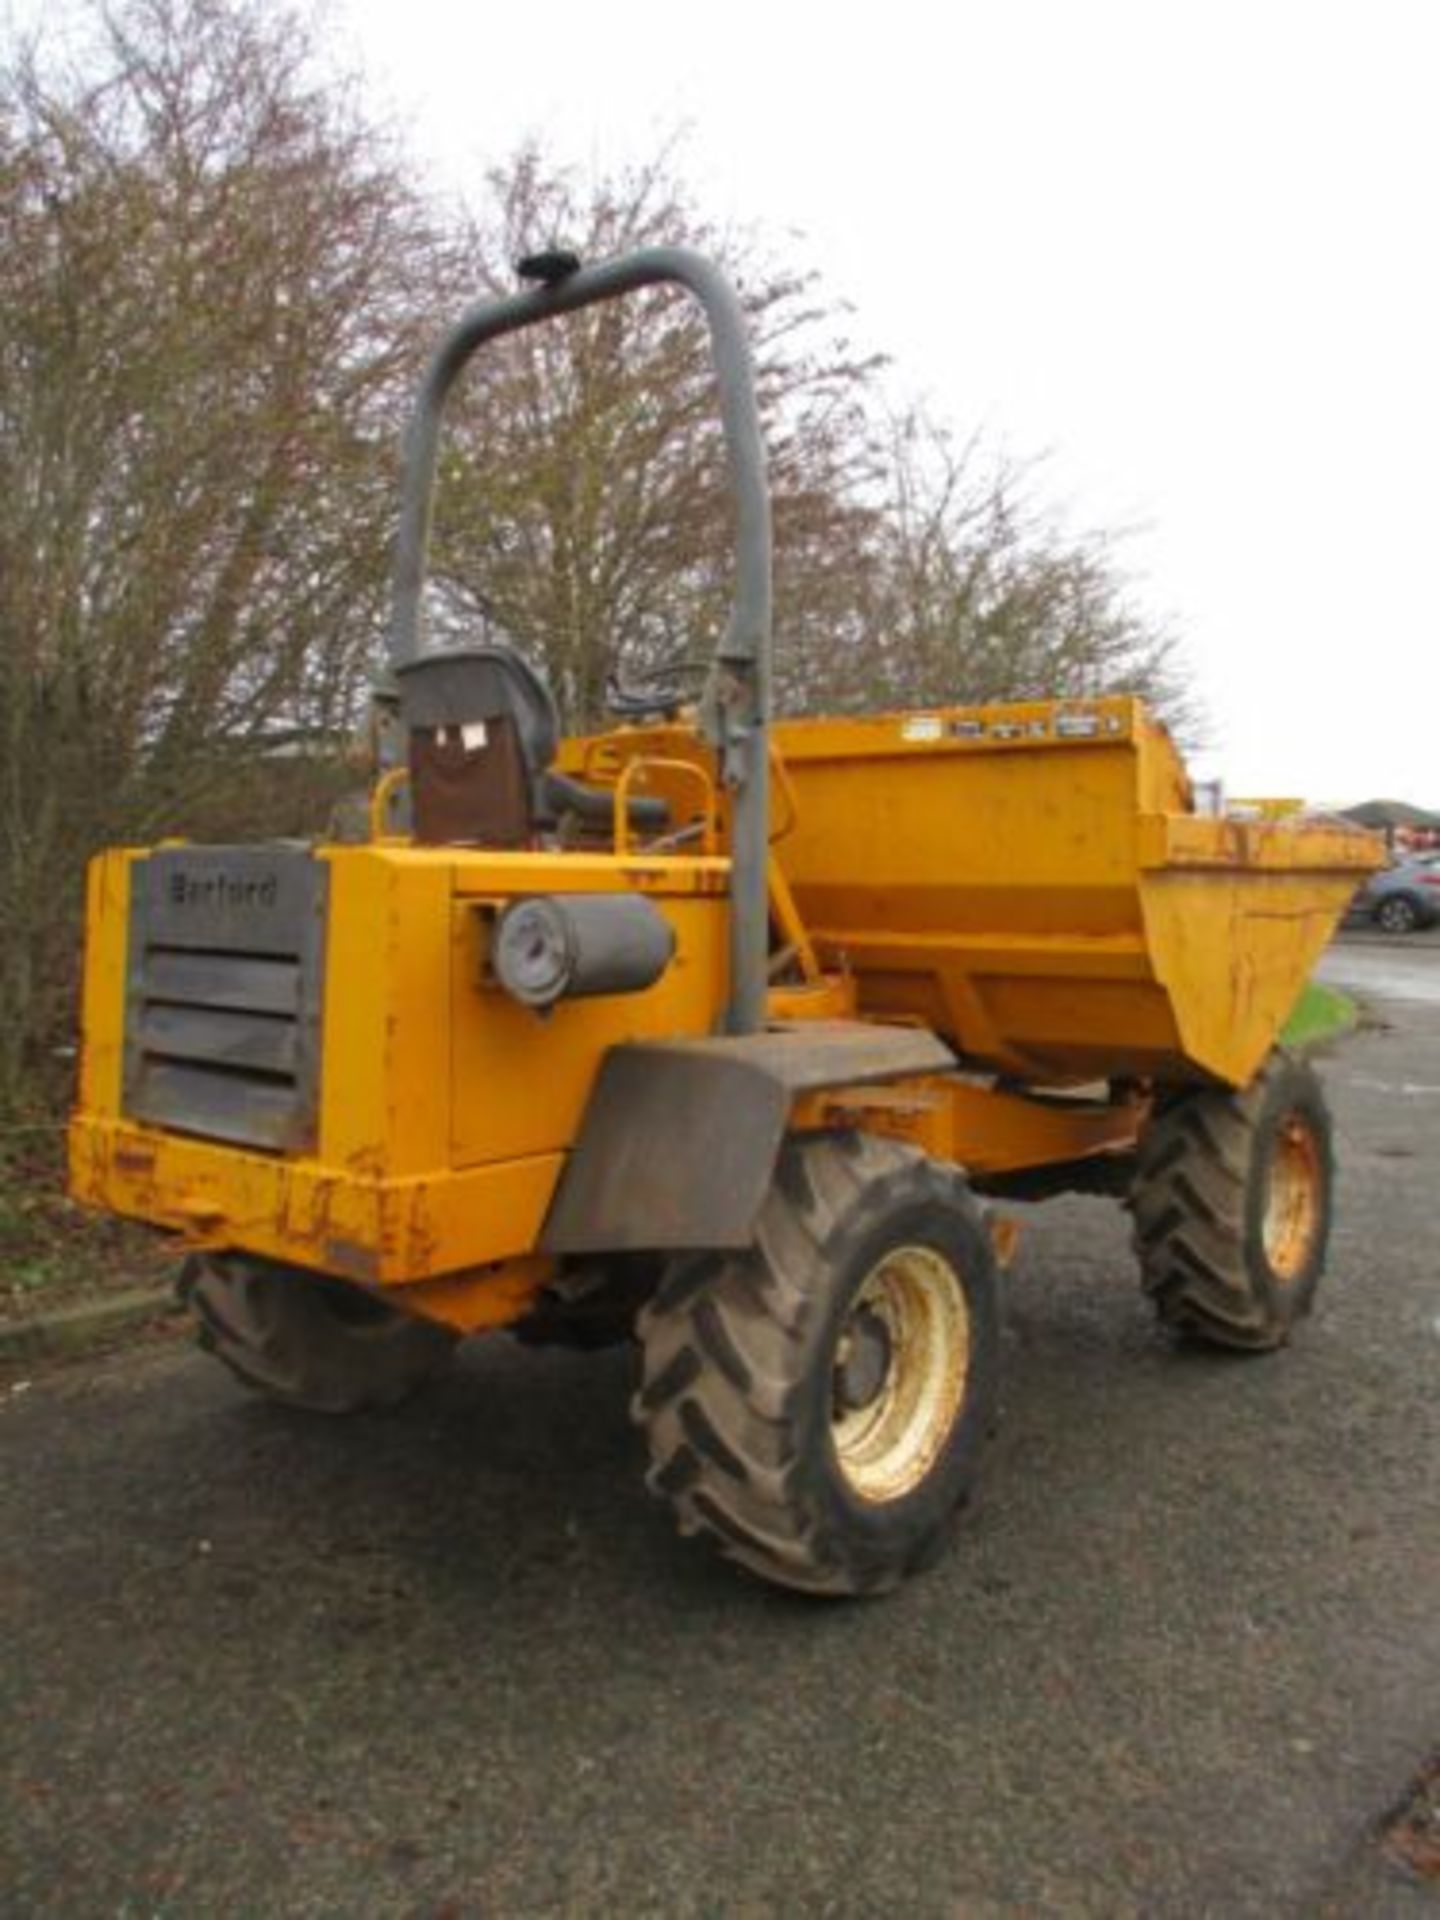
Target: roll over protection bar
[735, 708]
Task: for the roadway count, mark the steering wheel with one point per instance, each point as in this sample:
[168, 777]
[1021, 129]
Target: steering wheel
[658, 699]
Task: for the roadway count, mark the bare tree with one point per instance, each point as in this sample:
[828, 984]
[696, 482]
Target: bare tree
[583, 506]
[218, 287]
[208, 269]
[976, 593]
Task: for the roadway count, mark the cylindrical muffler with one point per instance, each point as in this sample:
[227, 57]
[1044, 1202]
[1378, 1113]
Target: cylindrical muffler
[571, 946]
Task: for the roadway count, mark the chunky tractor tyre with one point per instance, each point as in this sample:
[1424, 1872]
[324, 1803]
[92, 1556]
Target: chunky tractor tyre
[815, 1406]
[305, 1340]
[1232, 1203]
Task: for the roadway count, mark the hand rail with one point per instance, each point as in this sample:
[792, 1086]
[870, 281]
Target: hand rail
[709, 836]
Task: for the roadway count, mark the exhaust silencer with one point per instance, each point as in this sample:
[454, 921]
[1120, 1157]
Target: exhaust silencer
[552, 947]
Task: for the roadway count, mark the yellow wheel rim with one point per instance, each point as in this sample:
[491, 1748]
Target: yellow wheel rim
[899, 1373]
[1293, 1199]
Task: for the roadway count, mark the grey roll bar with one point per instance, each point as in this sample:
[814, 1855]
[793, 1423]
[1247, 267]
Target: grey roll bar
[735, 711]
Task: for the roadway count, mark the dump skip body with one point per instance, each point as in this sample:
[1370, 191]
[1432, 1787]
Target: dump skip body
[1033, 882]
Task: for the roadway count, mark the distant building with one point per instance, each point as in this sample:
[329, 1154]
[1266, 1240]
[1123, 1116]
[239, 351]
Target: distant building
[1406, 828]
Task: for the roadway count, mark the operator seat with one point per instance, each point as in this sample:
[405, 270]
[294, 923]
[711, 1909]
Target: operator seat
[482, 728]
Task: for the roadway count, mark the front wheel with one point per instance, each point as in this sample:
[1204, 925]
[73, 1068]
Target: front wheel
[1232, 1204]
[816, 1405]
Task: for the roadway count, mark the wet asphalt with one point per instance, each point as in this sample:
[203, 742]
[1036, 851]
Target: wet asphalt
[1386, 967]
[452, 1662]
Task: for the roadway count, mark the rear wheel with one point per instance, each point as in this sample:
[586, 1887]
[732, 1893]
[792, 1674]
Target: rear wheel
[305, 1340]
[816, 1405]
[1232, 1204]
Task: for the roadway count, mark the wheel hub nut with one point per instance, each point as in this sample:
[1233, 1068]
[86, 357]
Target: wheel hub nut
[863, 1361]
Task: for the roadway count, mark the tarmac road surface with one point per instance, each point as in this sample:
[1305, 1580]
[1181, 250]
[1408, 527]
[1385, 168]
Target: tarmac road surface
[1388, 967]
[452, 1662]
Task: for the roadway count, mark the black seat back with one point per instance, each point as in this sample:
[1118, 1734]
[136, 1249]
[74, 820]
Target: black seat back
[482, 729]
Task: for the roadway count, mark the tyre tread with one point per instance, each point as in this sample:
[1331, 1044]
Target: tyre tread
[721, 1427]
[1189, 1210]
[269, 1327]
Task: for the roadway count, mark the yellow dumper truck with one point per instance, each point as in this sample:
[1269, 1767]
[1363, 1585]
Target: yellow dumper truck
[719, 1033]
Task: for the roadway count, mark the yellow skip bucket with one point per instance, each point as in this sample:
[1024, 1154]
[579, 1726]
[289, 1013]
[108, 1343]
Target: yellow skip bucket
[1033, 882]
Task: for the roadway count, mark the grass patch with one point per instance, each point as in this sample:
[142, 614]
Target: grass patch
[1321, 1014]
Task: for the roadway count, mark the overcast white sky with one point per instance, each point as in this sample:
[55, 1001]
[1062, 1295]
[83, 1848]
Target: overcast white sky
[1189, 249]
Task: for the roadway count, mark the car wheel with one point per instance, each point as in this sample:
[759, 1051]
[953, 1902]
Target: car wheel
[1398, 914]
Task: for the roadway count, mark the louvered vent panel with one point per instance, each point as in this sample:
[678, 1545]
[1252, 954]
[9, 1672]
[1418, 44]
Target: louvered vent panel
[223, 1016]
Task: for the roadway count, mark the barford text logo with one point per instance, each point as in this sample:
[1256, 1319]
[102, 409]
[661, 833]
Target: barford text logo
[223, 889]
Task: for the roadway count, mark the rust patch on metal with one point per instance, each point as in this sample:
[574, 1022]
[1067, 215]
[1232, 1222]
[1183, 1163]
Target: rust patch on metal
[419, 1237]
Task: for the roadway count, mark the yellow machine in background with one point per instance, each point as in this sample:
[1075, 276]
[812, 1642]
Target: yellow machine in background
[1277, 807]
[712, 1031]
